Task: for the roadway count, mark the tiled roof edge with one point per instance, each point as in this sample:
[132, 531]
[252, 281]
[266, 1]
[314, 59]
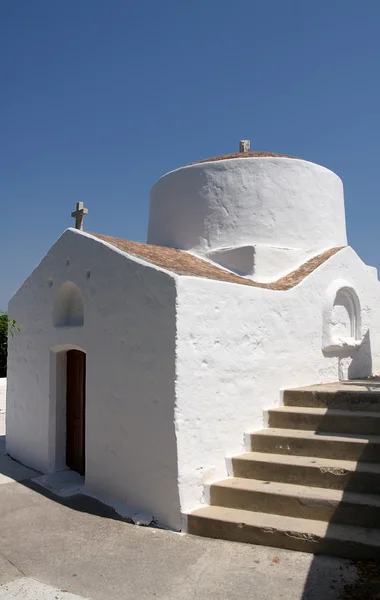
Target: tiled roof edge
[186, 264]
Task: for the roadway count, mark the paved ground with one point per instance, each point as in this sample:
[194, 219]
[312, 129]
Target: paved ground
[54, 548]
[76, 546]
[30, 589]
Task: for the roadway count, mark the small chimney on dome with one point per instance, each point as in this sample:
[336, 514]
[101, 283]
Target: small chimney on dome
[244, 145]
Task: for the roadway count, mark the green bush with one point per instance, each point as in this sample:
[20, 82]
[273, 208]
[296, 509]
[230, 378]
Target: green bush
[3, 344]
[6, 326]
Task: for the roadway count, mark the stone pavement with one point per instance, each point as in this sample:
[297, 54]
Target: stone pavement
[79, 545]
[59, 548]
[29, 589]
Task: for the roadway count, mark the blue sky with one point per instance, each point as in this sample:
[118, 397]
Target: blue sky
[101, 97]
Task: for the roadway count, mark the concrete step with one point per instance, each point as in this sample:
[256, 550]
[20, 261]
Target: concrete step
[362, 510]
[317, 472]
[325, 420]
[303, 535]
[309, 443]
[357, 399]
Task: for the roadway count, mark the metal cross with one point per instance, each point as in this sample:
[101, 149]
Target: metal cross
[78, 215]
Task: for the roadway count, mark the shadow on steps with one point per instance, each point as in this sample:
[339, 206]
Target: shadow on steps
[359, 505]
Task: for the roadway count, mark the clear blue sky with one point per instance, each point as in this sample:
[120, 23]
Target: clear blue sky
[101, 97]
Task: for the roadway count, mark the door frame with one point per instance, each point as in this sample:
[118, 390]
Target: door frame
[57, 406]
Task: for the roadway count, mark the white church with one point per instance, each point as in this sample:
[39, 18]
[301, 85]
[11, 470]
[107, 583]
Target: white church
[158, 371]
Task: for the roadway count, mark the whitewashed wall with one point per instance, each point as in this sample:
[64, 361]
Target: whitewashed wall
[238, 346]
[281, 202]
[129, 338]
[178, 368]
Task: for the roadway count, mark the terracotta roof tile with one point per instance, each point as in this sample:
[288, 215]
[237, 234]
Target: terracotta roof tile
[184, 263]
[243, 155]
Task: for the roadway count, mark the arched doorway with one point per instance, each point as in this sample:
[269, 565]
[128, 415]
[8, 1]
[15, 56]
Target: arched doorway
[75, 410]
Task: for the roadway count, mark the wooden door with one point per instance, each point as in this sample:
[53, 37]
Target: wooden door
[75, 410]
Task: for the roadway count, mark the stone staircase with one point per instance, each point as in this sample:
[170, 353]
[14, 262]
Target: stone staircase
[312, 479]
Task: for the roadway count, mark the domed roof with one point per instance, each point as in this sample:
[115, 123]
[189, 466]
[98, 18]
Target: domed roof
[245, 199]
[249, 154]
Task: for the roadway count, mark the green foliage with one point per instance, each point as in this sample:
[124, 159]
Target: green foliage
[3, 344]
[6, 326]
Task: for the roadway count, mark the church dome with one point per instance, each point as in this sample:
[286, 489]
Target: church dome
[248, 199]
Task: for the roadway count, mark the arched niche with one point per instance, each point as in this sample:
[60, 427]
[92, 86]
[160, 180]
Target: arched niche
[68, 306]
[341, 317]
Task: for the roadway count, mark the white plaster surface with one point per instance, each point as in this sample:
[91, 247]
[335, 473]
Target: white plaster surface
[178, 368]
[27, 588]
[285, 203]
[260, 263]
[10, 470]
[235, 357]
[342, 317]
[129, 339]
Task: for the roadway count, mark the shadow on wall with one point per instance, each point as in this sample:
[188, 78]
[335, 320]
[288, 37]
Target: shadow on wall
[342, 332]
[354, 363]
[68, 306]
[360, 362]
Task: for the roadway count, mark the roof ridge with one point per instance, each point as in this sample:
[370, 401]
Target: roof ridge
[250, 154]
[183, 263]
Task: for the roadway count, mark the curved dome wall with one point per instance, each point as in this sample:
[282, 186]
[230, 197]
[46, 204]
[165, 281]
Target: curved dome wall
[269, 201]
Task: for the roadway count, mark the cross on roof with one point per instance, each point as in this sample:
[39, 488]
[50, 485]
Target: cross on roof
[244, 145]
[78, 215]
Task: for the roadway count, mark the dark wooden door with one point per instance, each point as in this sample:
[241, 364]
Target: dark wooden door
[75, 410]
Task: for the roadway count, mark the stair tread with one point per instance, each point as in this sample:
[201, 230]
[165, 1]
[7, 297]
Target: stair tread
[301, 491]
[307, 410]
[310, 461]
[292, 526]
[358, 386]
[304, 434]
